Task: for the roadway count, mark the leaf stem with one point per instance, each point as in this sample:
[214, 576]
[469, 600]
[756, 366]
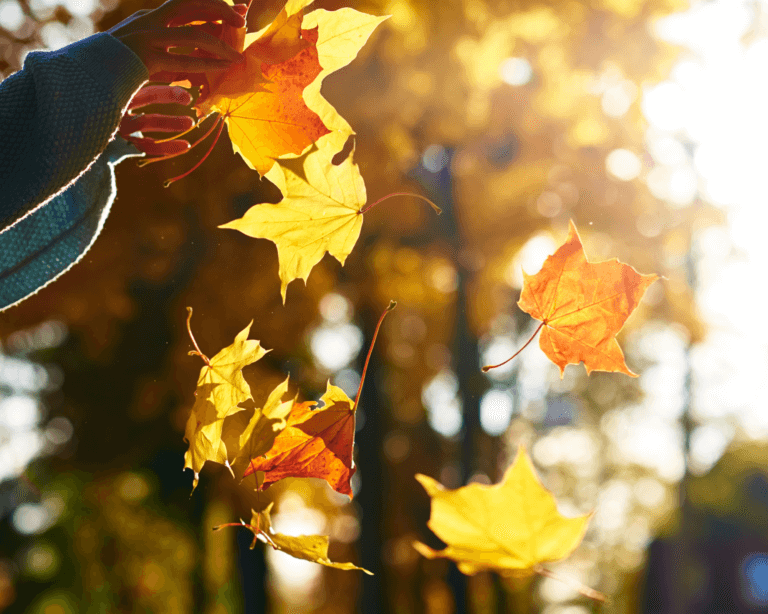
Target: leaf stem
[230, 524]
[178, 136]
[589, 593]
[146, 161]
[196, 351]
[220, 122]
[487, 368]
[392, 305]
[370, 206]
[255, 530]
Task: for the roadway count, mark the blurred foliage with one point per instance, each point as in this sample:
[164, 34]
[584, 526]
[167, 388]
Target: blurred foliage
[508, 163]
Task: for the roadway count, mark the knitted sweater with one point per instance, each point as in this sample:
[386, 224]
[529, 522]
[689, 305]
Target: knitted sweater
[58, 119]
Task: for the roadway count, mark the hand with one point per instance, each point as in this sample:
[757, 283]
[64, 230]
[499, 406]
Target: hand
[154, 122]
[149, 34]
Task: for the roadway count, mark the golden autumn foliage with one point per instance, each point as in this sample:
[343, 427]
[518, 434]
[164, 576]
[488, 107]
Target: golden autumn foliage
[261, 99]
[511, 527]
[433, 79]
[221, 388]
[272, 105]
[320, 212]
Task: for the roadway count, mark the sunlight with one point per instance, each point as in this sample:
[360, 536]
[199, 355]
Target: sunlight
[496, 407]
[707, 138]
[530, 258]
[296, 579]
[623, 164]
[11, 15]
[334, 346]
[440, 397]
[516, 71]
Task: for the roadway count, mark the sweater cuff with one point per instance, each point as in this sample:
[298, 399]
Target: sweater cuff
[113, 65]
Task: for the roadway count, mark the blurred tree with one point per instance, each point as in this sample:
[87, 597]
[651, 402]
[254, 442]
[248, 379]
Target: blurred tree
[505, 114]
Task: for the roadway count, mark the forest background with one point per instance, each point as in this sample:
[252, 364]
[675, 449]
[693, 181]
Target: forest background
[642, 120]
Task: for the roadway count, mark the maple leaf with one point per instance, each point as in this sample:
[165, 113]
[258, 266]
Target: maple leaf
[244, 436]
[221, 387]
[316, 443]
[321, 211]
[271, 101]
[582, 306]
[511, 527]
[261, 99]
[341, 35]
[308, 547]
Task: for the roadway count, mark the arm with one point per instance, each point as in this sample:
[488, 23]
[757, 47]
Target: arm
[52, 238]
[61, 111]
[57, 114]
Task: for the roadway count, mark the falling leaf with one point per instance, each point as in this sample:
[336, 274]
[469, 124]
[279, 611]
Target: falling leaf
[582, 306]
[245, 437]
[316, 443]
[511, 527]
[308, 547]
[321, 212]
[221, 388]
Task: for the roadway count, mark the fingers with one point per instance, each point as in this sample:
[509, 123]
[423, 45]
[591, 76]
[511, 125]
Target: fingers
[190, 36]
[153, 148]
[153, 122]
[160, 94]
[176, 13]
[160, 62]
[151, 46]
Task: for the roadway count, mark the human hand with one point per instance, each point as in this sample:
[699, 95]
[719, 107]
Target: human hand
[150, 33]
[155, 122]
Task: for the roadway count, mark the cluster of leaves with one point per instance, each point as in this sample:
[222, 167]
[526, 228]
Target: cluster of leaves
[513, 527]
[284, 439]
[285, 130]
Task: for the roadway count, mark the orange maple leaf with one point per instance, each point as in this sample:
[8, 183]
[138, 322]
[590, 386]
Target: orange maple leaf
[316, 443]
[582, 305]
[261, 100]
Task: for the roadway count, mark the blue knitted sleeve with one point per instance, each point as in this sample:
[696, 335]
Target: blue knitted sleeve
[52, 238]
[57, 115]
[58, 119]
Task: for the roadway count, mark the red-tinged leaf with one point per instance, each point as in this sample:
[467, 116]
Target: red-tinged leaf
[316, 443]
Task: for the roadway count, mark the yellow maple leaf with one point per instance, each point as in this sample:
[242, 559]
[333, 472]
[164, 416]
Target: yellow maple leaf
[341, 34]
[321, 212]
[245, 437]
[280, 40]
[221, 388]
[308, 547]
[511, 527]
